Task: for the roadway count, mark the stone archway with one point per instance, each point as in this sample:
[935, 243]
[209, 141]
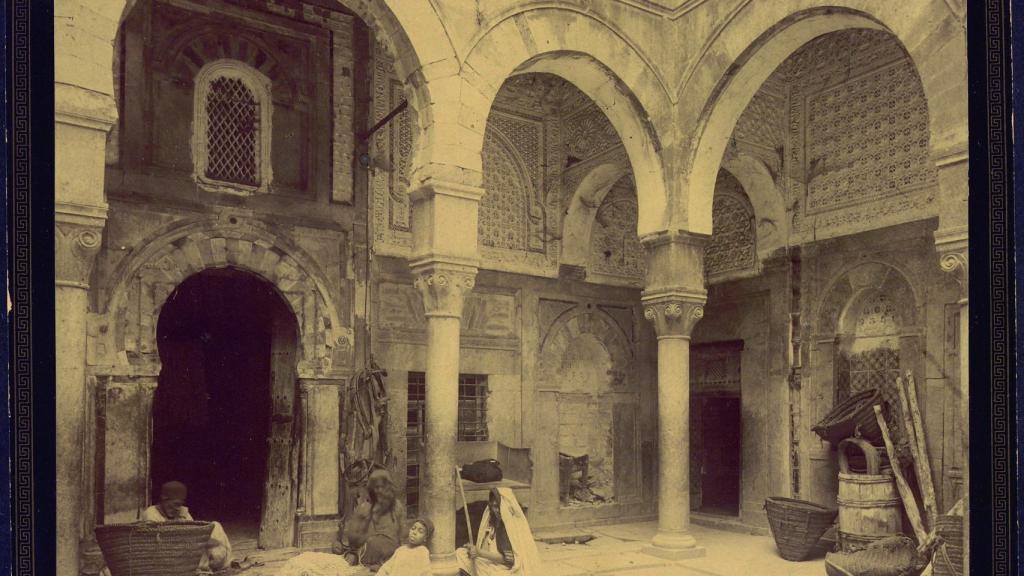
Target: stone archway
[735, 63]
[586, 199]
[602, 63]
[125, 363]
[125, 330]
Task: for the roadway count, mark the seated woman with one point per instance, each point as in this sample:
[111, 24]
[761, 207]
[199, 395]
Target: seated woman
[172, 508]
[504, 544]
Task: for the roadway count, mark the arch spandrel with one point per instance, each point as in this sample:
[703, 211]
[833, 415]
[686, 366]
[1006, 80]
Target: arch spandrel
[732, 67]
[123, 333]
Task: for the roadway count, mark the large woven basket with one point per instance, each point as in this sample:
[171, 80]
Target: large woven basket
[797, 525]
[949, 556]
[153, 549]
[854, 416]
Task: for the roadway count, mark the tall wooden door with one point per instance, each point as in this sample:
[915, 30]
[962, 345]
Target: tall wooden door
[277, 522]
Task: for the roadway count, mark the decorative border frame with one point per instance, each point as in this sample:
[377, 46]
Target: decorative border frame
[30, 234]
[991, 294]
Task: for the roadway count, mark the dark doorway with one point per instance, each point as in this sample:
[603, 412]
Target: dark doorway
[218, 334]
[721, 420]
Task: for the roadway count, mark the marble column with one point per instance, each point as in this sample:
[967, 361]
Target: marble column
[952, 247]
[84, 111]
[673, 300]
[444, 263]
[78, 233]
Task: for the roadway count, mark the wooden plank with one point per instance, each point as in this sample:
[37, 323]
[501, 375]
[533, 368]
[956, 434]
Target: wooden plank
[924, 467]
[909, 504]
[911, 433]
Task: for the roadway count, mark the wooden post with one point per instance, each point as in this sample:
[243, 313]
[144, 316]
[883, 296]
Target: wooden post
[913, 514]
[911, 432]
[924, 468]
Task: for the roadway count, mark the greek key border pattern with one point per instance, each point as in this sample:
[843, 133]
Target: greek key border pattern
[22, 487]
[1001, 277]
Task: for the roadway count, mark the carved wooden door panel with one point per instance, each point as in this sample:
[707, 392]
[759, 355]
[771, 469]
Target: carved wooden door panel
[277, 524]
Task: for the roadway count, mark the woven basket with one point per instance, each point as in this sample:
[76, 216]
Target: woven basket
[854, 416]
[153, 549]
[949, 556]
[891, 556]
[797, 525]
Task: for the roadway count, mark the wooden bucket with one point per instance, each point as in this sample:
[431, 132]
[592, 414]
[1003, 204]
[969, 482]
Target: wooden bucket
[869, 505]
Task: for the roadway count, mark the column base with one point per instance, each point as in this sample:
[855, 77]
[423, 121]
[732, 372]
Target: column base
[674, 546]
[444, 565]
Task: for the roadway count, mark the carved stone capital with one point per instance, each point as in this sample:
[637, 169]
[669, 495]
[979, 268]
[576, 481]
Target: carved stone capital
[952, 249]
[444, 287]
[78, 241]
[673, 316]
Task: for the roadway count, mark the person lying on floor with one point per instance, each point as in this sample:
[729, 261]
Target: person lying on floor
[504, 543]
[171, 508]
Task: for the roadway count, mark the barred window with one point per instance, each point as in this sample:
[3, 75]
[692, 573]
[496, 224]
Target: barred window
[472, 424]
[231, 131]
[231, 140]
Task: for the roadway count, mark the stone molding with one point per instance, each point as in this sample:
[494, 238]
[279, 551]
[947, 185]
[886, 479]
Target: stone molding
[79, 234]
[674, 315]
[77, 106]
[443, 287]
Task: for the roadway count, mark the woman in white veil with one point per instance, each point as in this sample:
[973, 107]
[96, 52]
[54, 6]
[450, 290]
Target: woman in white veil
[504, 544]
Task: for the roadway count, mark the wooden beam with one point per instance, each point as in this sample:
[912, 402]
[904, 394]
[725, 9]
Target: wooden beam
[924, 467]
[906, 494]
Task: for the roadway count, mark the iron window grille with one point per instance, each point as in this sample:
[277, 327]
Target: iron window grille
[232, 132]
[472, 424]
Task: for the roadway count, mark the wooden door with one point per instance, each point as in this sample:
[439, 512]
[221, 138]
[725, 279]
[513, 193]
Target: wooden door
[277, 522]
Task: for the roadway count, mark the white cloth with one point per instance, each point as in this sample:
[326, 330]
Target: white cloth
[407, 562]
[321, 564]
[527, 559]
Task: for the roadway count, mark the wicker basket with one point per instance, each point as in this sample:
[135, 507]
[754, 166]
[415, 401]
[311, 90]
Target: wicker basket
[797, 525]
[153, 549]
[891, 556]
[855, 416]
[949, 556]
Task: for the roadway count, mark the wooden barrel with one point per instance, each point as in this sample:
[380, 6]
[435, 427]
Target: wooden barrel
[869, 505]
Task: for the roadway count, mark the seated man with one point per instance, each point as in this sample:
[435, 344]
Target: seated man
[172, 508]
[373, 531]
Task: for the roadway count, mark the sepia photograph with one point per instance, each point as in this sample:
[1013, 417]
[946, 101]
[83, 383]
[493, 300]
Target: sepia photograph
[493, 287]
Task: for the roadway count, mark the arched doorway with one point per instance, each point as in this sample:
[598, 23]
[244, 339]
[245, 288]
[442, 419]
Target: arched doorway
[223, 411]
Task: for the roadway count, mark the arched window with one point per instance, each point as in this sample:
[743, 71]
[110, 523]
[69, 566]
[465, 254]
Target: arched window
[231, 130]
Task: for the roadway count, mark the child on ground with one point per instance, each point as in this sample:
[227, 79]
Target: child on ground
[413, 558]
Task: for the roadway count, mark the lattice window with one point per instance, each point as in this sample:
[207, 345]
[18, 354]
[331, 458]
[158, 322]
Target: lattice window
[231, 132]
[231, 141]
[472, 424]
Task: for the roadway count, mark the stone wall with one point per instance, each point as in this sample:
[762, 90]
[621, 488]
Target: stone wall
[836, 275]
[518, 330]
[164, 226]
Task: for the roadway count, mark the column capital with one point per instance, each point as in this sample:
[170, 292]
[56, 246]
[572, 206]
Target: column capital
[952, 248]
[78, 231]
[443, 286]
[674, 314]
